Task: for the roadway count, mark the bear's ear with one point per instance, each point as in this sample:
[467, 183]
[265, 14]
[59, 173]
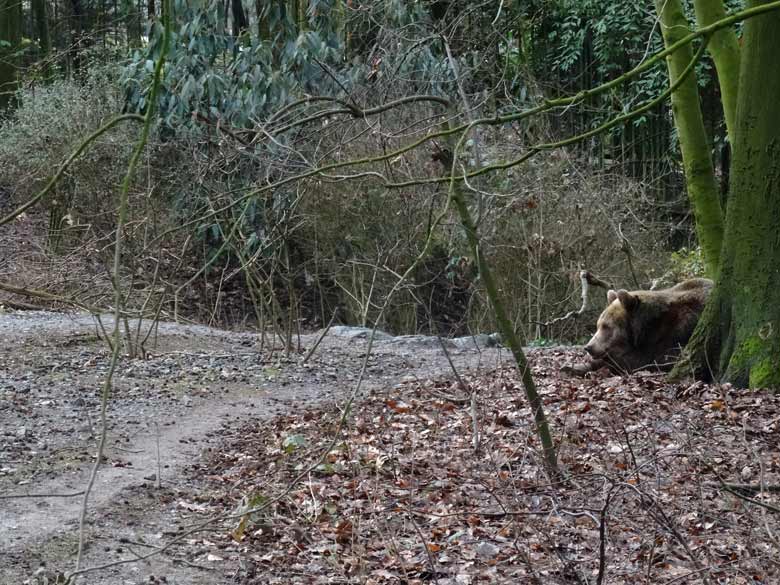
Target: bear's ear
[611, 296]
[626, 299]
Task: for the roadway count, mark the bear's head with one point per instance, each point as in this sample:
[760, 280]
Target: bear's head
[615, 340]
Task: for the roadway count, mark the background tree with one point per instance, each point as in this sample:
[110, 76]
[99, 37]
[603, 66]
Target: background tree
[694, 142]
[231, 120]
[10, 40]
[41, 15]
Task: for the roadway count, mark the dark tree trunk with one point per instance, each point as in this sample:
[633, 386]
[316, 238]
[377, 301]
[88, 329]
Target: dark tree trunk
[240, 21]
[133, 23]
[42, 26]
[77, 26]
[10, 37]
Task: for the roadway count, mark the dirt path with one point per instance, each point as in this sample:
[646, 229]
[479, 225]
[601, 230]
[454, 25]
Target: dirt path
[196, 381]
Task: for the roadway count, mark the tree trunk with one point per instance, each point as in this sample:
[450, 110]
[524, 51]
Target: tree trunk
[301, 19]
[505, 326]
[42, 27]
[133, 23]
[77, 28]
[699, 171]
[738, 336]
[240, 22]
[724, 49]
[10, 37]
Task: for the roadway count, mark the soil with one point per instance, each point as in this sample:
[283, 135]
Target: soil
[166, 412]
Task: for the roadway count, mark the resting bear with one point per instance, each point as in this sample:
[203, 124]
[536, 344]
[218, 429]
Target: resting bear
[646, 328]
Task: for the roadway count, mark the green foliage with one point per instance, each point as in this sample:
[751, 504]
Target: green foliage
[213, 74]
[687, 263]
[609, 36]
[293, 442]
[583, 43]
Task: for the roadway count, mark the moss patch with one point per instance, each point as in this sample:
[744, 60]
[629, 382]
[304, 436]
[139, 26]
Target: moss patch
[753, 358]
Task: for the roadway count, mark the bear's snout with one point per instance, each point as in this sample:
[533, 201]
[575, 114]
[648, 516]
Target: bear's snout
[591, 350]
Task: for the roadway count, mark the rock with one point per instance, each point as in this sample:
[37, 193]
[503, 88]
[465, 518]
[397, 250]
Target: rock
[478, 341]
[357, 332]
[421, 341]
[487, 550]
[576, 370]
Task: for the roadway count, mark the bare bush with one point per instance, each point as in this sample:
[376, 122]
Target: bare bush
[235, 226]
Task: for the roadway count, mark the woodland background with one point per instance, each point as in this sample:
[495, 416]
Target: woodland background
[289, 257]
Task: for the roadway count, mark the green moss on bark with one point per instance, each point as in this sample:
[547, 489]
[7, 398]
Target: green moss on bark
[753, 362]
[724, 49]
[699, 171]
[738, 336]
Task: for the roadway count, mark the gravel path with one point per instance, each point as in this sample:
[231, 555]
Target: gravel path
[165, 411]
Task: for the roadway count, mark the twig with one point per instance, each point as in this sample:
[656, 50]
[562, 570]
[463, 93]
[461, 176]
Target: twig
[660, 516]
[158, 482]
[498, 13]
[121, 220]
[749, 488]
[465, 99]
[625, 246]
[19, 306]
[47, 296]
[64, 166]
[595, 280]
[585, 282]
[455, 372]
[21, 496]
[502, 318]
[603, 539]
[320, 338]
[744, 498]
[474, 422]
[431, 560]
[330, 74]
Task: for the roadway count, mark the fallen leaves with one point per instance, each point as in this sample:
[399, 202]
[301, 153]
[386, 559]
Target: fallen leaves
[403, 497]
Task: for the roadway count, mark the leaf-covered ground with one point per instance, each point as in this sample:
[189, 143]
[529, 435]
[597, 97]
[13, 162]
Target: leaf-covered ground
[400, 495]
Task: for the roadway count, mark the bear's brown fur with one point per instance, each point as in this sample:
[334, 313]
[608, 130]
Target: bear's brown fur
[647, 328]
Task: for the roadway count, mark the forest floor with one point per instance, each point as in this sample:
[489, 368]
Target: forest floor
[664, 483]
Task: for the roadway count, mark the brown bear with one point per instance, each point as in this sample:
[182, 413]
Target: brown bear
[646, 328]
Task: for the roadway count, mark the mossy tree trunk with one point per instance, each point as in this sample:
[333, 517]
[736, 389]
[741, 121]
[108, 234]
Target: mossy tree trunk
[738, 337]
[504, 323]
[699, 171]
[724, 48]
